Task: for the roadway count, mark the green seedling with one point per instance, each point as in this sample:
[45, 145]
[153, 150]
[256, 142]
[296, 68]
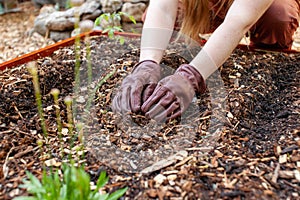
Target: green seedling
[112, 24]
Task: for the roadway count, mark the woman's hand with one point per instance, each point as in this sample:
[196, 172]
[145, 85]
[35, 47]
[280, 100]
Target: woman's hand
[174, 93]
[137, 87]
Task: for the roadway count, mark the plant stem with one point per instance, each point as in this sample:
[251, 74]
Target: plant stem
[68, 102]
[35, 80]
[55, 93]
[77, 59]
[102, 81]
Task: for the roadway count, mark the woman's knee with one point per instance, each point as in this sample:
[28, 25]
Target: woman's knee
[277, 25]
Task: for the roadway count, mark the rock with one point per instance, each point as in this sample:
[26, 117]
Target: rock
[86, 25]
[47, 9]
[59, 35]
[61, 4]
[41, 20]
[41, 3]
[89, 7]
[48, 19]
[52, 20]
[60, 21]
[91, 16]
[110, 6]
[134, 9]
[135, 1]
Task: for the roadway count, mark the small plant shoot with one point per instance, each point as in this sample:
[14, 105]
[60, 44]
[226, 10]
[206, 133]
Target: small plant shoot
[110, 23]
[74, 184]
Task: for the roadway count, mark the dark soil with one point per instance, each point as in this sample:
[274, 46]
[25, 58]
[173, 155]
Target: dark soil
[240, 140]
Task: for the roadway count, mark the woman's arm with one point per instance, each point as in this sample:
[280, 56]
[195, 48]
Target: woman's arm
[239, 19]
[158, 28]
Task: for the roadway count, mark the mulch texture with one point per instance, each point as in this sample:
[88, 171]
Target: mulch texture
[240, 140]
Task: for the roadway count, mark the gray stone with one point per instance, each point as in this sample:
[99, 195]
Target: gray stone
[89, 7]
[41, 20]
[90, 10]
[135, 1]
[110, 6]
[57, 22]
[134, 9]
[41, 3]
[60, 24]
[59, 35]
[47, 9]
[64, 20]
[61, 20]
[91, 16]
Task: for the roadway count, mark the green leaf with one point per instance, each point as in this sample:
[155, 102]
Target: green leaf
[132, 19]
[98, 196]
[106, 17]
[107, 29]
[52, 185]
[33, 185]
[25, 198]
[111, 33]
[118, 28]
[102, 196]
[102, 180]
[83, 183]
[97, 21]
[121, 40]
[34, 180]
[117, 194]
[129, 16]
[63, 192]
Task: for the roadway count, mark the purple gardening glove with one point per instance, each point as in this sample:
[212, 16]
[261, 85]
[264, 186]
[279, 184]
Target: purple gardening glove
[174, 93]
[137, 87]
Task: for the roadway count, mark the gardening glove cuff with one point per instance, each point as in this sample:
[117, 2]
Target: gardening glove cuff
[193, 76]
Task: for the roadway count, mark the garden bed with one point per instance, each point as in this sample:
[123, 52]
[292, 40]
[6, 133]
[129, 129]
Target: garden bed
[239, 140]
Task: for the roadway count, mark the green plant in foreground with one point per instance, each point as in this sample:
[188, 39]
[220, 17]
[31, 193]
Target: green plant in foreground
[112, 24]
[74, 185]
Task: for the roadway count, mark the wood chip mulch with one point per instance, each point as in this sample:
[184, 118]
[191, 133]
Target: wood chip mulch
[240, 140]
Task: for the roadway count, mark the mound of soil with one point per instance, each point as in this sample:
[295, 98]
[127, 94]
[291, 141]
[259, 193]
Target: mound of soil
[240, 140]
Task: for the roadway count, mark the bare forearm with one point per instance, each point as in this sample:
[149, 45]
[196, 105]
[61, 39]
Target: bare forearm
[217, 49]
[241, 16]
[158, 28]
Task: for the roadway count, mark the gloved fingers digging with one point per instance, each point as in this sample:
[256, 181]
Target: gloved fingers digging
[137, 87]
[174, 93]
